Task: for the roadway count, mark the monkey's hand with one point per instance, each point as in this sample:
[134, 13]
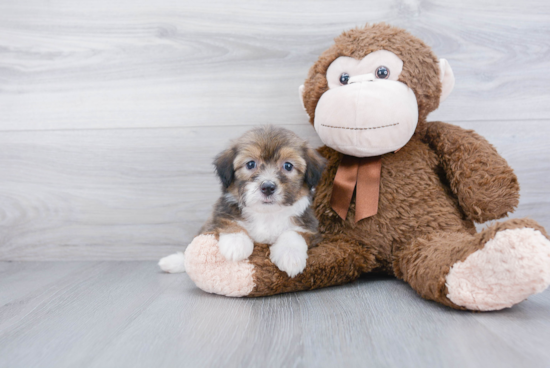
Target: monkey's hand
[486, 187]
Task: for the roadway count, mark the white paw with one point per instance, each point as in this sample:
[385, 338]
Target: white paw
[289, 253]
[509, 268]
[235, 246]
[174, 263]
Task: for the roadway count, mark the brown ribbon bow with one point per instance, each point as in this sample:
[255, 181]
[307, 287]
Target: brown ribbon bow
[363, 173]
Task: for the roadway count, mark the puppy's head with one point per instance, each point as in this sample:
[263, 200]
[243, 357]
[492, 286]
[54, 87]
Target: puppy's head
[269, 167]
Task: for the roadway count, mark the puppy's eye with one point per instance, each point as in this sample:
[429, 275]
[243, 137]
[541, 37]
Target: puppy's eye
[288, 166]
[344, 78]
[382, 72]
[250, 165]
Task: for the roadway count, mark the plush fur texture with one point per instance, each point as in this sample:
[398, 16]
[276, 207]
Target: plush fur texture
[266, 155]
[235, 246]
[431, 192]
[509, 268]
[289, 253]
[174, 263]
[213, 273]
[420, 66]
[267, 178]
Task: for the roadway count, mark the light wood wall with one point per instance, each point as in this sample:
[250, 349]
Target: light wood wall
[111, 111]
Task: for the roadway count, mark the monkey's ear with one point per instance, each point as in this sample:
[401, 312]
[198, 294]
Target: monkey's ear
[224, 166]
[315, 165]
[301, 93]
[447, 79]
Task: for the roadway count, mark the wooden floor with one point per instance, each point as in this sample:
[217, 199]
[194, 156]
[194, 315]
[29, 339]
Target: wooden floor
[128, 314]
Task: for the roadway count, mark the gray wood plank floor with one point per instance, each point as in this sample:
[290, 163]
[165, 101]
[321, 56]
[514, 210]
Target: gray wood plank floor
[128, 314]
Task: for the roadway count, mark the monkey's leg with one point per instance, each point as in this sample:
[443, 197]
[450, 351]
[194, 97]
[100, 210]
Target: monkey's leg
[330, 263]
[494, 269]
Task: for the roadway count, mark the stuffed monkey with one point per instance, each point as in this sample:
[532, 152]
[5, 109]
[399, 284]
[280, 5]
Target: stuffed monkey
[400, 195]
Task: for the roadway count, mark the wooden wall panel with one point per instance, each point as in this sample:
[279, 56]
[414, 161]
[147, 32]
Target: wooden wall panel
[129, 64]
[111, 111]
[143, 193]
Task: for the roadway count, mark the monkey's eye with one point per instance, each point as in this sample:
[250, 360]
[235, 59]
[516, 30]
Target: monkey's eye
[250, 165]
[344, 78]
[382, 72]
[288, 166]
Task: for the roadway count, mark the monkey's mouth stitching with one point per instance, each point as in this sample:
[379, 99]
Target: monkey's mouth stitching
[378, 127]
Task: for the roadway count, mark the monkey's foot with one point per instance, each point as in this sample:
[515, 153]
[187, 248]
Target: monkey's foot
[213, 273]
[512, 266]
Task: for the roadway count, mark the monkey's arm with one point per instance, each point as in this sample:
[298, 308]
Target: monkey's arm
[485, 185]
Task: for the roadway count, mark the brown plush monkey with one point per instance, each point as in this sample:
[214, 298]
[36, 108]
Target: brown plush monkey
[368, 96]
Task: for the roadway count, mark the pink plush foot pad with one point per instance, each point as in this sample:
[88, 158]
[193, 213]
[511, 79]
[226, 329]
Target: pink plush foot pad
[512, 266]
[212, 273]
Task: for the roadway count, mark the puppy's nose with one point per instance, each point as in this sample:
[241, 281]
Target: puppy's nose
[268, 187]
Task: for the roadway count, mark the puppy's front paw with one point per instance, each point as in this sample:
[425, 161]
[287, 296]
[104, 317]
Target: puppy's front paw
[289, 253]
[235, 246]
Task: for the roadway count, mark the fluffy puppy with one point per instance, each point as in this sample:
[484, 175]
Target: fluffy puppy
[268, 178]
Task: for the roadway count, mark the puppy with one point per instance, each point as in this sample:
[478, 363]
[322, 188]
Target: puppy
[268, 178]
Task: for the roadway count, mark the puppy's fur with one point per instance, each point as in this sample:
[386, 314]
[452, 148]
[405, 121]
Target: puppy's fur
[267, 176]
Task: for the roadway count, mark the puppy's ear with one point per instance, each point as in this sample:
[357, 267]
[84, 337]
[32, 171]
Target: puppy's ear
[224, 166]
[315, 165]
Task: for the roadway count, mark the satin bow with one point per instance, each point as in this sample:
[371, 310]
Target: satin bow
[363, 173]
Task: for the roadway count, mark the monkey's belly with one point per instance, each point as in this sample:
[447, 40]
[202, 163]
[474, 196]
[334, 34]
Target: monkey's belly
[415, 200]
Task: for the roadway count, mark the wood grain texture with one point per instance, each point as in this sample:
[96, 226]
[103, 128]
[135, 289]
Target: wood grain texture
[111, 111]
[128, 64]
[127, 314]
[141, 194]
[107, 194]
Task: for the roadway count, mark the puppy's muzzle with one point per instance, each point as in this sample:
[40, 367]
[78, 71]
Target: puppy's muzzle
[268, 188]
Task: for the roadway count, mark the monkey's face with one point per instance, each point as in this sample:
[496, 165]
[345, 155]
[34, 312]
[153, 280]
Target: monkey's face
[366, 94]
[366, 111]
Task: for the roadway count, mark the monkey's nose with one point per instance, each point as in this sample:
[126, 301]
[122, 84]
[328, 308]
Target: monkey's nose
[268, 188]
[361, 78]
